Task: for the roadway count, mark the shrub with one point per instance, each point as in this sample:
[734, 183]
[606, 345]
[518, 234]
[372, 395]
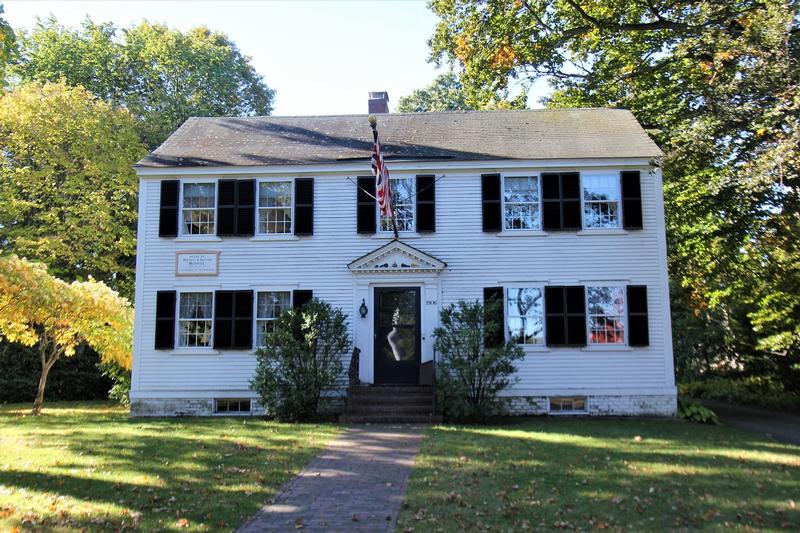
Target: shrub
[121, 378]
[471, 374]
[696, 412]
[301, 359]
[757, 391]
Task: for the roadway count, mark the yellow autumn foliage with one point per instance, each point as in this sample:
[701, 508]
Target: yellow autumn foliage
[36, 307]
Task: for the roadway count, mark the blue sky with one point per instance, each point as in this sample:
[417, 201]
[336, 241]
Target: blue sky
[322, 57]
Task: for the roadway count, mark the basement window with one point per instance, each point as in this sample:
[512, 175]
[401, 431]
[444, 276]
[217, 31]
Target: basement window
[567, 404]
[231, 405]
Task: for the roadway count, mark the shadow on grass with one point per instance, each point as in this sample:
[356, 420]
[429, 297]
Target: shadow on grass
[646, 475]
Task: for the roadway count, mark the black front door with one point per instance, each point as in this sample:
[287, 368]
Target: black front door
[397, 338]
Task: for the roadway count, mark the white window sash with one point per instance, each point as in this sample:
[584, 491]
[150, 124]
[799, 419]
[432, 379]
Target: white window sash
[258, 320]
[180, 320]
[290, 207]
[584, 202]
[538, 204]
[623, 317]
[412, 204]
[506, 314]
[182, 230]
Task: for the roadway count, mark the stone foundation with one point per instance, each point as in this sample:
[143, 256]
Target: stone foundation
[205, 407]
[627, 405]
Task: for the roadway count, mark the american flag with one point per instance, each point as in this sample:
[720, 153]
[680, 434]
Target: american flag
[383, 188]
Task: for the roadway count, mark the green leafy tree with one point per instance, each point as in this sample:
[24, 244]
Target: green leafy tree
[8, 44]
[716, 83]
[162, 76]
[301, 359]
[445, 93]
[67, 186]
[471, 374]
[58, 318]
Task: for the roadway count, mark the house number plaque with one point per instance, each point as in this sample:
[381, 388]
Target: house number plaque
[197, 263]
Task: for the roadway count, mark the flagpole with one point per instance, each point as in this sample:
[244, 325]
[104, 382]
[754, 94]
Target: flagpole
[373, 122]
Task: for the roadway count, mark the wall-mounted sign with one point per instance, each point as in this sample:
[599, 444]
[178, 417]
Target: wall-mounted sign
[196, 263]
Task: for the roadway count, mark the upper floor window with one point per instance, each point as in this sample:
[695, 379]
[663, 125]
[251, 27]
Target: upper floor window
[601, 199]
[525, 310]
[275, 207]
[195, 319]
[521, 202]
[269, 306]
[606, 307]
[403, 189]
[197, 209]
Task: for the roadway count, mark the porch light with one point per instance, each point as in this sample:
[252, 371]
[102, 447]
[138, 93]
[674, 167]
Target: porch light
[363, 309]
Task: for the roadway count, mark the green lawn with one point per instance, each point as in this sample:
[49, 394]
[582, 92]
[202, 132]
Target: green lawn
[90, 466]
[594, 474]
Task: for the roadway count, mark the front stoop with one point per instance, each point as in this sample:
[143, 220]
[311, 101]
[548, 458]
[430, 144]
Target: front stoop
[390, 404]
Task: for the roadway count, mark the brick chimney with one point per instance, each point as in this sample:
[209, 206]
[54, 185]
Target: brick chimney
[378, 102]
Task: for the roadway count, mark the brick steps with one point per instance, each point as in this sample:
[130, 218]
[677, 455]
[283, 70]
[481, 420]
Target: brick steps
[390, 404]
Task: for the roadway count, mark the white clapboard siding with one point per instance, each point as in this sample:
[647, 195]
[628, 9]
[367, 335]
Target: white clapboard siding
[474, 260]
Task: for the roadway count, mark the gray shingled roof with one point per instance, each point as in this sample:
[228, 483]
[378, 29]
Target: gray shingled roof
[454, 135]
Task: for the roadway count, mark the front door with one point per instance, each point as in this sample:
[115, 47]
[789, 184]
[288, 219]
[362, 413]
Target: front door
[397, 335]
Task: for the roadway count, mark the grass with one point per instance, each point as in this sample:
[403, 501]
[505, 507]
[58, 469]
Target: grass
[90, 466]
[590, 474]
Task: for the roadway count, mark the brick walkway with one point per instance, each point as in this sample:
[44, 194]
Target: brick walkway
[356, 484]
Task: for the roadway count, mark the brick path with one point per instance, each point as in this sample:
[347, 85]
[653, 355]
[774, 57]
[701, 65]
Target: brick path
[356, 484]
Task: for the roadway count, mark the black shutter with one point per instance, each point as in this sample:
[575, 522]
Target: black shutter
[638, 329]
[246, 208]
[561, 201]
[565, 316]
[168, 209]
[226, 208]
[165, 320]
[233, 320]
[366, 207]
[490, 197]
[631, 199]
[493, 306]
[301, 297]
[304, 206]
[426, 204]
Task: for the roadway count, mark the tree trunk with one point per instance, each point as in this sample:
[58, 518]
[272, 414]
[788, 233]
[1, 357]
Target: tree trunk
[47, 364]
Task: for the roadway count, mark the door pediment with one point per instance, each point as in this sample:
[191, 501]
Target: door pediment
[396, 257]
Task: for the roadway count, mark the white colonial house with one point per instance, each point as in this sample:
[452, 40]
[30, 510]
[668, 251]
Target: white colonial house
[558, 212]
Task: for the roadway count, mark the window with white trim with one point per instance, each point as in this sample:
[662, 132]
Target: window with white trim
[606, 313]
[275, 207]
[232, 405]
[567, 404]
[404, 192]
[521, 203]
[269, 306]
[198, 208]
[525, 315]
[601, 200]
[195, 319]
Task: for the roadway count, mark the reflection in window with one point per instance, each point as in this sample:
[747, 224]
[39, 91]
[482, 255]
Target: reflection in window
[194, 318]
[198, 208]
[269, 306]
[275, 207]
[606, 311]
[525, 318]
[521, 203]
[403, 190]
[601, 201]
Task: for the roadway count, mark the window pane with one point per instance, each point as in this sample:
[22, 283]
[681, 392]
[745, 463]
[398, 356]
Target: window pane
[272, 304]
[601, 195]
[196, 304]
[521, 189]
[275, 194]
[521, 200]
[198, 195]
[403, 190]
[601, 188]
[606, 309]
[525, 315]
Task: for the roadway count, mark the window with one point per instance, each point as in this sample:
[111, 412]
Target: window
[606, 312]
[403, 191]
[521, 202]
[275, 207]
[525, 315]
[232, 405]
[269, 307]
[198, 208]
[195, 319]
[601, 201]
[567, 404]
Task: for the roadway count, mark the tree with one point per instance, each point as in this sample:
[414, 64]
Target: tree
[445, 93]
[716, 83]
[37, 309]
[8, 44]
[301, 359]
[162, 76]
[472, 374]
[67, 186]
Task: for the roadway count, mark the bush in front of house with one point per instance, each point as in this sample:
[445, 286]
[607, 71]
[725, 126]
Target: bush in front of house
[472, 372]
[300, 360]
[756, 391]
